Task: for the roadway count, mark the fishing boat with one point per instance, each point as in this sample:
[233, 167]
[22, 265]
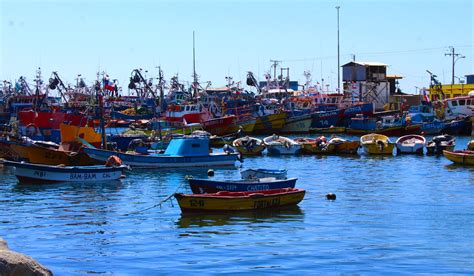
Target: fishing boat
[239, 201]
[41, 174]
[410, 144]
[269, 123]
[297, 124]
[184, 151]
[249, 145]
[377, 144]
[464, 157]
[318, 145]
[219, 126]
[344, 146]
[280, 145]
[440, 143]
[263, 173]
[201, 186]
[387, 125]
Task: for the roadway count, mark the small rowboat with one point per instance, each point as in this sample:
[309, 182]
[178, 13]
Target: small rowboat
[343, 146]
[239, 201]
[440, 143]
[280, 145]
[464, 157]
[315, 146]
[411, 144]
[249, 145]
[41, 174]
[201, 186]
[263, 173]
[377, 144]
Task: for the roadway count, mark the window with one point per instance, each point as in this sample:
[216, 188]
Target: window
[462, 102]
[195, 145]
[454, 103]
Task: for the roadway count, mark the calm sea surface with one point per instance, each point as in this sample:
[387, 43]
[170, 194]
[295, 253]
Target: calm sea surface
[397, 214]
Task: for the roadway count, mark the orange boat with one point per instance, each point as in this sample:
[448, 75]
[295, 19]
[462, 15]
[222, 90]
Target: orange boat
[59, 156]
[69, 133]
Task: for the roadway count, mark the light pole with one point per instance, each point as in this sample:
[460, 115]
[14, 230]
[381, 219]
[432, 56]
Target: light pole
[454, 63]
[338, 54]
[454, 55]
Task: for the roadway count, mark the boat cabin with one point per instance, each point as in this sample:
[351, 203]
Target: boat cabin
[188, 146]
[459, 106]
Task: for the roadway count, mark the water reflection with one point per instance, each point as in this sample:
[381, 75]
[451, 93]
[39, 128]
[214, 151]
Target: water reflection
[287, 214]
[111, 185]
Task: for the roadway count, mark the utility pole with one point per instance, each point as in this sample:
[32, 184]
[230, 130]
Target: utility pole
[338, 54]
[454, 55]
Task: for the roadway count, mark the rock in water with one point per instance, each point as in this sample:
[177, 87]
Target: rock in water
[16, 264]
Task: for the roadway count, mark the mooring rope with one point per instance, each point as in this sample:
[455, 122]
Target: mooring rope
[158, 204]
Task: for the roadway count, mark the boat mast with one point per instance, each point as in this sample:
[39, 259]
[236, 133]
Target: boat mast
[101, 110]
[194, 69]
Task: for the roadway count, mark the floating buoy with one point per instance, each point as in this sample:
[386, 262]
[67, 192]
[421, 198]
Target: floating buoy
[210, 172]
[331, 196]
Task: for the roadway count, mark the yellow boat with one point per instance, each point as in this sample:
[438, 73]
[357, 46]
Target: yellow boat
[470, 145]
[247, 125]
[70, 133]
[464, 157]
[269, 124]
[377, 144]
[46, 156]
[239, 201]
[249, 145]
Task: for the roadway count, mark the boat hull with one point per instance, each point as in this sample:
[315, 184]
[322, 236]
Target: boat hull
[348, 147]
[314, 148]
[269, 124]
[200, 186]
[377, 144]
[39, 155]
[463, 157]
[284, 150]
[411, 144]
[375, 149]
[38, 174]
[262, 173]
[300, 124]
[389, 131]
[151, 161]
[239, 201]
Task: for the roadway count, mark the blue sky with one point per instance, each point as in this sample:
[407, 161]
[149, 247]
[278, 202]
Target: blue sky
[233, 37]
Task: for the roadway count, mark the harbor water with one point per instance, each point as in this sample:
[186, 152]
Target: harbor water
[393, 214]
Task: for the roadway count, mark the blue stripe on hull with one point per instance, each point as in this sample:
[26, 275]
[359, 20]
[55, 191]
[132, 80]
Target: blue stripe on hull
[209, 186]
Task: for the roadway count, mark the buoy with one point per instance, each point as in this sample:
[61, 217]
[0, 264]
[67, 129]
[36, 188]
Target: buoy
[210, 172]
[331, 196]
[187, 177]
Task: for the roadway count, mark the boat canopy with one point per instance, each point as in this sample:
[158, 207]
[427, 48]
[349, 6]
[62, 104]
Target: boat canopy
[188, 146]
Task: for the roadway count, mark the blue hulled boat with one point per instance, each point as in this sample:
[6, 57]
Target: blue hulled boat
[181, 152]
[199, 186]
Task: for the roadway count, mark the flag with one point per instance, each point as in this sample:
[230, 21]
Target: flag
[426, 98]
[107, 84]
